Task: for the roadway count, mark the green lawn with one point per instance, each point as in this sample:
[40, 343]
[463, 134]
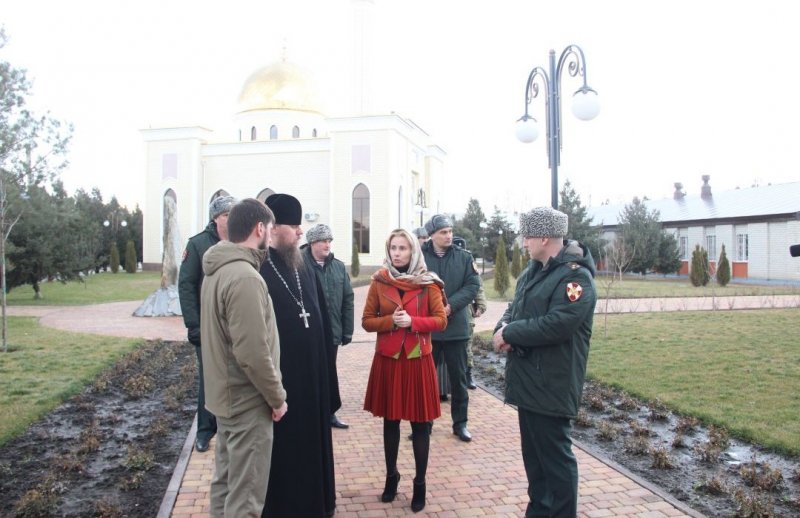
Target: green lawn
[46, 366]
[95, 289]
[739, 369]
[655, 286]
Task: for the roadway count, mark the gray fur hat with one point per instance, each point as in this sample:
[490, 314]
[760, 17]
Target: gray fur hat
[437, 223]
[543, 222]
[420, 232]
[220, 205]
[321, 232]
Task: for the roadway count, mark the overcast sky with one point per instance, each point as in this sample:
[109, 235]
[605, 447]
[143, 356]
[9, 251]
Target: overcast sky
[687, 87]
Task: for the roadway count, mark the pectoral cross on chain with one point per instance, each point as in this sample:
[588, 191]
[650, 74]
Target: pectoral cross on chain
[304, 315]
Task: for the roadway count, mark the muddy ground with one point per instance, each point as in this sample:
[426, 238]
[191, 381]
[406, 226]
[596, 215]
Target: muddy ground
[700, 466]
[109, 451]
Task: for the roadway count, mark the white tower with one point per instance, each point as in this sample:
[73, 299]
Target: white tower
[362, 55]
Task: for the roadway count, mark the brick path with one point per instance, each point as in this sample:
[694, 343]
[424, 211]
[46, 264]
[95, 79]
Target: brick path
[481, 478]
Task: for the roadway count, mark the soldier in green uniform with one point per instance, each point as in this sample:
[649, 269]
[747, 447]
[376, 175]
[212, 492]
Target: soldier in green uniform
[190, 280]
[546, 332]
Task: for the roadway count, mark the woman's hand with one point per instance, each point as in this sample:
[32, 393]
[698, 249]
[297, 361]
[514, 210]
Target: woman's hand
[401, 318]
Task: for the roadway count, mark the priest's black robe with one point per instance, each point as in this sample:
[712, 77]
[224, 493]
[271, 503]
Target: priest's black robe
[301, 481]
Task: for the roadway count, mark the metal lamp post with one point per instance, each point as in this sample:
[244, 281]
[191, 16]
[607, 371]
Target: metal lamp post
[585, 106]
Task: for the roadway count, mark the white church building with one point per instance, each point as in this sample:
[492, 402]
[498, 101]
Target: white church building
[363, 175]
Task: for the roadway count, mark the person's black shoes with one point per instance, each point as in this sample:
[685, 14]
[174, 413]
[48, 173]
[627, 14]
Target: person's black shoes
[418, 500]
[470, 383]
[338, 424]
[462, 433]
[201, 444]
[443, 397]
[390, 489]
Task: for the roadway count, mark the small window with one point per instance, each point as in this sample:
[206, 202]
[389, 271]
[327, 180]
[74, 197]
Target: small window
[361, 218]
[240, 135]
[296, 132]
[684, 246]
[253, 133]
[711, 247]
[742, 245]
[273, 132]
[314, 133]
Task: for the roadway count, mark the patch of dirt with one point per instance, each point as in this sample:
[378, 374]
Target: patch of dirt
[700, 466]
[109, 451]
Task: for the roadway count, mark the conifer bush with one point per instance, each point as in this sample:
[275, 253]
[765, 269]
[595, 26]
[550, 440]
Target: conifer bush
[501, 281]
[130, 257]
[723, 269]
[516, 261]
[114, 258]
[355, 266]
[699, 275]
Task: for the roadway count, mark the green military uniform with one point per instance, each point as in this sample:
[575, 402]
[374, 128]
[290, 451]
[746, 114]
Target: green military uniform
[461, 284]
[190, 280]
[549, 325]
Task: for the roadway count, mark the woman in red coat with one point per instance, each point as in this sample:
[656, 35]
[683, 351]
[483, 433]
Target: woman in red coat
[404, 305]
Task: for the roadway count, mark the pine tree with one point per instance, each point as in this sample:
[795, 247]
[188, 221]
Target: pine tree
[355, 266]
[723, 269]
[501, 281]
[699, 275]
[516, 261]
[114, 258]
[130, 257]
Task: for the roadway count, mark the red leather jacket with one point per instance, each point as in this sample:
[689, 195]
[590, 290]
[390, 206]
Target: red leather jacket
[422, 303]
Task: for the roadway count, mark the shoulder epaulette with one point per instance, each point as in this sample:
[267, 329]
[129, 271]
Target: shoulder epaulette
[572, 265]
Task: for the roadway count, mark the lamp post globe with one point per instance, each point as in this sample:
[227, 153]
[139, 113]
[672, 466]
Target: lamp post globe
[585, 104]
[527, 130]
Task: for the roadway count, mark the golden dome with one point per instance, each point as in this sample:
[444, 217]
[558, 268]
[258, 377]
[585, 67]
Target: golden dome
[280, 86]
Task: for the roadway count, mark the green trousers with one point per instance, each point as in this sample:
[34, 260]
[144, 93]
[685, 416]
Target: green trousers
[550, 465]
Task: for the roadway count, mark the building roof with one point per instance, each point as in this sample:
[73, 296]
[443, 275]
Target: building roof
[752, 202]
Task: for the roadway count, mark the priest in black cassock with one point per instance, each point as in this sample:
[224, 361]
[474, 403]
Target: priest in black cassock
[301, 479]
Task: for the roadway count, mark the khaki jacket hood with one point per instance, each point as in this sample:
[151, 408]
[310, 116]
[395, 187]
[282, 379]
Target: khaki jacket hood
[226, 252]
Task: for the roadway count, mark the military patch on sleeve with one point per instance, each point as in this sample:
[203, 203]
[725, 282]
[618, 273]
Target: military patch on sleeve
[185, 255]
[574, 291]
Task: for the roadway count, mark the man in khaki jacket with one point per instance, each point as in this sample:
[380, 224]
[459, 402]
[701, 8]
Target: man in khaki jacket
[241, 361]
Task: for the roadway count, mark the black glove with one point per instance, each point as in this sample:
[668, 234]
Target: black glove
[346, 340]
[194, 336]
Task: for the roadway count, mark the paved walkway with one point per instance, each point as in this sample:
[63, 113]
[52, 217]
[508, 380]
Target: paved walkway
[481, 478]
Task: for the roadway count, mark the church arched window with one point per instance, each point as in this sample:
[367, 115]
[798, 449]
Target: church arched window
[264, 194]
[361, 218]
[240, 135]
[253, 133]
[273, 132]
[314, 133]
[296, 132]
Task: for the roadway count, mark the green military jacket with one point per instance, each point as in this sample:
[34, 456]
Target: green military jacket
[461, 284]
[190, 277]
[549, 328]
[335, 282]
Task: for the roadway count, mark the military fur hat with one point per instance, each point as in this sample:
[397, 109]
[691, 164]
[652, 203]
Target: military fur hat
[220, 205]
[420, 232]
[437, 223]
[321, 232]
[543, 222]
[287, 209]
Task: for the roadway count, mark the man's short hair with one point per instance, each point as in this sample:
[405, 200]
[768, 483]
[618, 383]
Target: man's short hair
[244, 216]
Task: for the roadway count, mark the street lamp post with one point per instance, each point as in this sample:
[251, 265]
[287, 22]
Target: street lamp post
[484, 241]
[585, 106]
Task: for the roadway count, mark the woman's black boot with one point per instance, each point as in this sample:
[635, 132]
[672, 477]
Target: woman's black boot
[418, 500]
[390, 491]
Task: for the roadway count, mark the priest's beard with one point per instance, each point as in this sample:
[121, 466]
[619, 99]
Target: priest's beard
[290, 255]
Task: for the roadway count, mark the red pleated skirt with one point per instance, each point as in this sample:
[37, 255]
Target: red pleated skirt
[404, 389]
